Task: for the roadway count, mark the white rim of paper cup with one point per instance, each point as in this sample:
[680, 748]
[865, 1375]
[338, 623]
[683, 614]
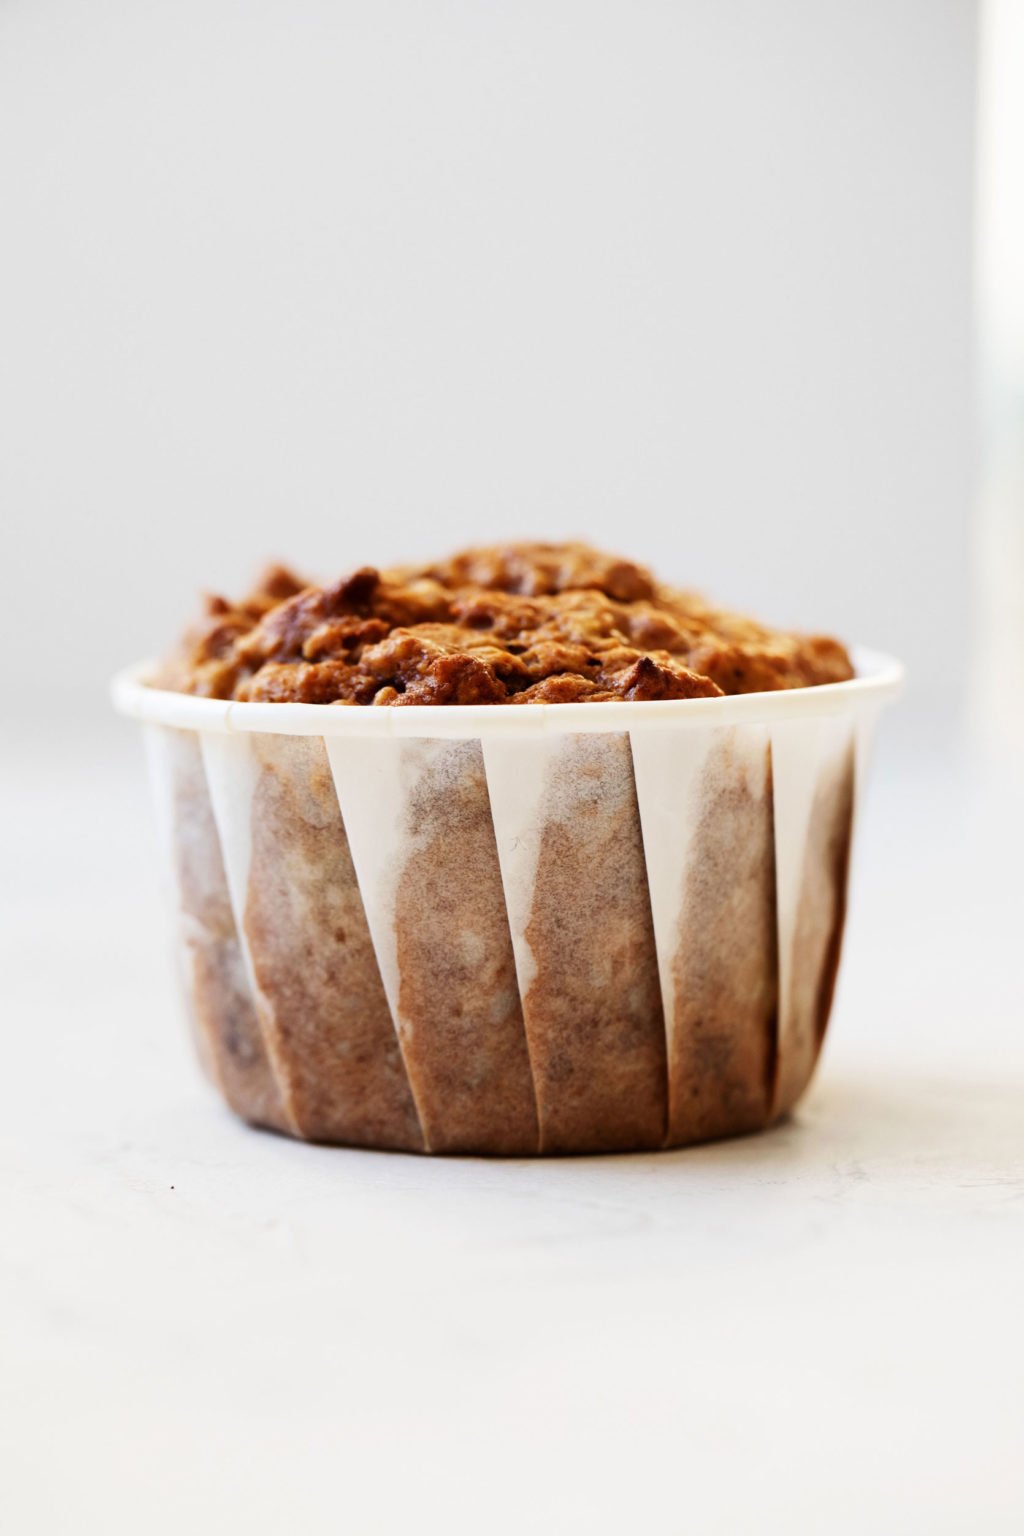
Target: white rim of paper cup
[878, 679]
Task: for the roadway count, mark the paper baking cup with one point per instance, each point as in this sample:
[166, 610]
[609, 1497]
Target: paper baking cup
[511, 929]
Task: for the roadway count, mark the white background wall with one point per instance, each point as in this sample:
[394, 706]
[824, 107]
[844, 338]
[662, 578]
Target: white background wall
[366, 279]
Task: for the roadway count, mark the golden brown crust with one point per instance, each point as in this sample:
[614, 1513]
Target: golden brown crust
[515, 623]
[533, 569]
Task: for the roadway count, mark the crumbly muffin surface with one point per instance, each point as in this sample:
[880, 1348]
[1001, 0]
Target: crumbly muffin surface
[520, 623]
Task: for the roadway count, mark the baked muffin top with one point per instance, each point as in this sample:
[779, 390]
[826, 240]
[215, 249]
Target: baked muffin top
[520, 623]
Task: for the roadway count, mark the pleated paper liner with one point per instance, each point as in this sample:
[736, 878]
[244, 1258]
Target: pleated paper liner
[706, 805]
[485, 931]
[569, 840]
[310, 959]
[423, 844]
[218, 996]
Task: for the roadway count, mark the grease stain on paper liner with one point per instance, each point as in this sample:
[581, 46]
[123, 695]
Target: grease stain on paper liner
[458, 1004]
[818, 923]
[312, 959]
[477, 950]
[577, 893]
[219, 1002]
[722, 1035]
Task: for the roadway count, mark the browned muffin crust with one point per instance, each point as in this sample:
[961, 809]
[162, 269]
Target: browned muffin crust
[521, 623]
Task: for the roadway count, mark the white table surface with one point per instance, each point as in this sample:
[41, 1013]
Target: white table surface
[207, 1328]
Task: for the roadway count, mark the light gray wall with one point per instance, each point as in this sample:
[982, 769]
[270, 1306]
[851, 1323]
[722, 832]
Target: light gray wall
[356, 280]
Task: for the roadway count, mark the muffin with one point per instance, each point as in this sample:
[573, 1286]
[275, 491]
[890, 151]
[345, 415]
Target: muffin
[428, 902]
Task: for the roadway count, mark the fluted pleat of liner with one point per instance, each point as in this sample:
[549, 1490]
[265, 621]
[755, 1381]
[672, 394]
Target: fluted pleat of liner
[814, 784]
[705, 799]
[419, 824]
[572, 862]
[219, 1001]
[527, 943]
[305, 938]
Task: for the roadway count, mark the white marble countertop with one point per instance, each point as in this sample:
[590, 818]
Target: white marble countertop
[207, 1328]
